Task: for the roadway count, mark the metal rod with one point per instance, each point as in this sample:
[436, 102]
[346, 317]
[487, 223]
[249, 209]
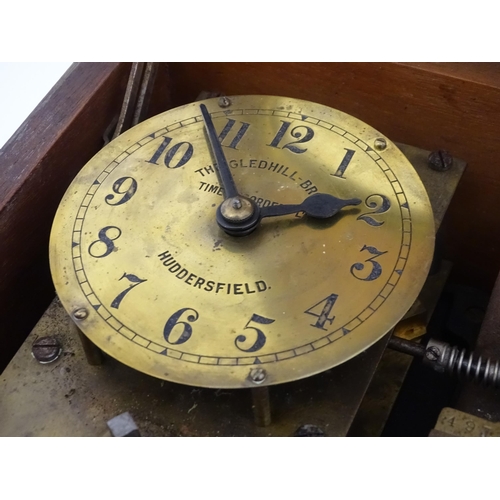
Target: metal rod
[407, 347]
[261, 406]
[93, 354]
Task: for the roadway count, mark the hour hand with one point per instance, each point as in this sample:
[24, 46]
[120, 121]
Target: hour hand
[225, 175]
[318, 205]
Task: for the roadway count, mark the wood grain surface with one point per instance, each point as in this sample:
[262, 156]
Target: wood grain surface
[36, 166]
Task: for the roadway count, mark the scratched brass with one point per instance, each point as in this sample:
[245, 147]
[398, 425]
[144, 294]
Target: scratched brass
[168, 293]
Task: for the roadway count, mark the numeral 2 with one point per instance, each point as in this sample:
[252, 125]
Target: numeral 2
[323, 316]
[381, 206]
[301, 132]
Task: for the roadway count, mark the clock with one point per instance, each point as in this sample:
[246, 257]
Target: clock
[242, 241]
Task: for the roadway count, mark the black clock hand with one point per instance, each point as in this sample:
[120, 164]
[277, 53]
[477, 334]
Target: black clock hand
[318, 205]
[226, 178]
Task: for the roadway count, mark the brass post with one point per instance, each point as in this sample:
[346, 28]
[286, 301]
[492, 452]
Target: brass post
[92, 352]
[261, 406]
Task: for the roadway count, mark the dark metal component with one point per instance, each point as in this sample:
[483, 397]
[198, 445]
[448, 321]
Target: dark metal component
[93, 354]
[463, 365]
[406, 346]
[130, 99]
[46, 349]
[227, 181]
[123, 426]
[440, 160]
[145, 91]
[432, 353]
[485, 402]
[318, 205]
[261, 406]
[309, 430]
[224, 102]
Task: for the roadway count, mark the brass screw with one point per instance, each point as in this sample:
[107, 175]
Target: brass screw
[258, 375]
[224, 102]
[81, 313]
[380, 143]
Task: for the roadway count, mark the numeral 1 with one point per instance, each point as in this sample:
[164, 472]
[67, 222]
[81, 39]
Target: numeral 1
[239, 135]
[344, 163]
[323, 316]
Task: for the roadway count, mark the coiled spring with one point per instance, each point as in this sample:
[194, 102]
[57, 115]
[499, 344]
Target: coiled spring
[471, 368]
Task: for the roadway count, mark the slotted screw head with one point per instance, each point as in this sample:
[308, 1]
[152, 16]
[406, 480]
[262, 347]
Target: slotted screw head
[440, 160]
[380, 144]
[46, 349]
[258, 375]
[224, 102]
[433, 353]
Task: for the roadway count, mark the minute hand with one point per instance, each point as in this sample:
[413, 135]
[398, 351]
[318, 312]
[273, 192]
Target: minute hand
[226, 178]
[319, 205]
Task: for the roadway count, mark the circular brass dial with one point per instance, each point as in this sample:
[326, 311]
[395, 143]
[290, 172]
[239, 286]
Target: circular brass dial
[165, 290]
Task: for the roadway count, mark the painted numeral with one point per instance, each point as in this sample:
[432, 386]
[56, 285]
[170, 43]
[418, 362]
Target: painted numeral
[344, 163]
[127, 186]
[135, 280]
[302, 133]
[380, 203]
[376, 269]
[170, 331]
[237, 138]
[261, 338]
[104, 245]
[321, 310]
[175, 157]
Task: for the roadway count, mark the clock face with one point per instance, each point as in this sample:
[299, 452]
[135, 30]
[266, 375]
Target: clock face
[137, 254]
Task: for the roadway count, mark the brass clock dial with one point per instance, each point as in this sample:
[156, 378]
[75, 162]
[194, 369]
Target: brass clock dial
[142, 266]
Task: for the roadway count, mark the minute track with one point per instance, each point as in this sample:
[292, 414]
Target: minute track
[285, 250]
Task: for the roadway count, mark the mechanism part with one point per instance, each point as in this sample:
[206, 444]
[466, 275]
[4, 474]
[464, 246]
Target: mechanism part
[440, 160]
[457, 362]
[46, 349]
[443, 357]
[309, 430]
[123, 426]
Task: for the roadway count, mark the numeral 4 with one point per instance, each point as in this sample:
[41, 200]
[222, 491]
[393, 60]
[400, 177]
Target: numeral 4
[322, 313]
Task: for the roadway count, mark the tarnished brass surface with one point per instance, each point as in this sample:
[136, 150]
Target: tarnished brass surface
[135, 243]
[459, 424]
